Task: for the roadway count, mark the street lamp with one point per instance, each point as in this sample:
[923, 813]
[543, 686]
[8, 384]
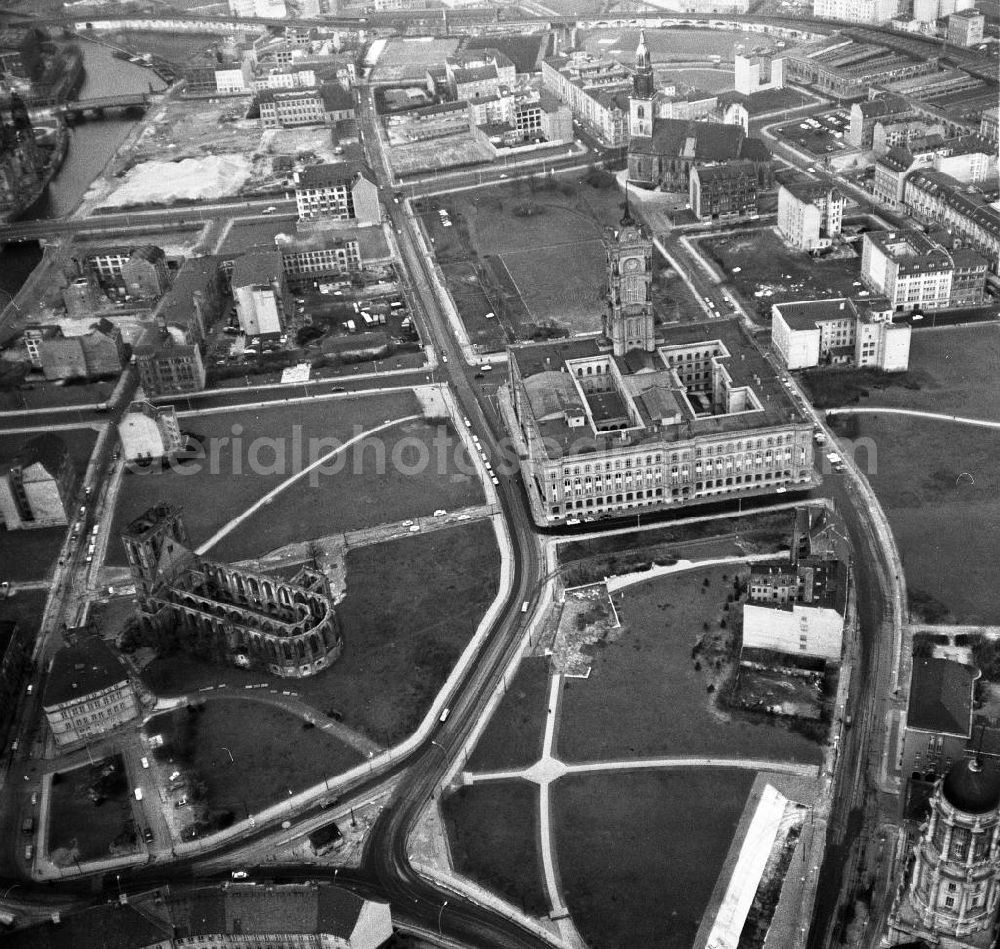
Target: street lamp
[440, 914]
[228, 752]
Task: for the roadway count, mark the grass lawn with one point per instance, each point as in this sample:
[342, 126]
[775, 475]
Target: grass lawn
[79, 828]
[943, 503]
[31, 554]
[620, 553]
[645, 697]
[370, 488]
[513, 737]
[272, 752]
[493, 837]
[639, 852]
[411, 607]
[945, 375]
[766, 264]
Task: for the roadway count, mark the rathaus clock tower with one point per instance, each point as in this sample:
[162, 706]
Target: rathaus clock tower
[628, 322]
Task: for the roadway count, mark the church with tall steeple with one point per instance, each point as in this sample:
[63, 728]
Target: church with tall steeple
[641, 104]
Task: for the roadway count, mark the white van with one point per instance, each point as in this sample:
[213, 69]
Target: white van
[138, 794]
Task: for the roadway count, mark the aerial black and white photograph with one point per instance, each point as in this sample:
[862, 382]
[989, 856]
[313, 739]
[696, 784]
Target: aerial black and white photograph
[499, 474]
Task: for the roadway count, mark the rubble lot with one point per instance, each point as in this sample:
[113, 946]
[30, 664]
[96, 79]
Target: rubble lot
[198, 127]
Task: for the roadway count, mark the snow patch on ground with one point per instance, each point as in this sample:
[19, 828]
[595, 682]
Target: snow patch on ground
[160, 182]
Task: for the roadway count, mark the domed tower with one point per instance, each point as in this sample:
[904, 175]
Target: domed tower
[954, 887]
[640, 113]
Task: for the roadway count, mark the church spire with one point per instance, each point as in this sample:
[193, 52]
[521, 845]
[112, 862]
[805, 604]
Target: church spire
[642, 78]
[642, 60]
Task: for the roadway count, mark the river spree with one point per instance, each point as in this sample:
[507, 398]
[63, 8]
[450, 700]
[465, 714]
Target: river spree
[93, 142]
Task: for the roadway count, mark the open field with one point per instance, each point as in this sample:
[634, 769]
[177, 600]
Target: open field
[513, 737]
[411, 607]
[31, 554]
[709, 80]
[649, 667]
[639, 852]
[943, 503]
[499, 248]
[387, 478]
[81, 828]
[947, 369]
[669, 45]
[277, 754]
[491, 831]
[768, 266]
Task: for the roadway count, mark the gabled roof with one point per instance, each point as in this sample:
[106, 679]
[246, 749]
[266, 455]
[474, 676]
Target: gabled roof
[331, 174]
[941, 696]
[687, 138]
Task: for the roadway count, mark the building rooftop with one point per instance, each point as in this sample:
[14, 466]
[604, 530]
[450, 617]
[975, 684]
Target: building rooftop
[332, 174]
[256, 267]
[80, 669]
[666, 410]
[807, 314]
[197, 275]
[475, 73]
[941, 696]
[687, 138]
[883, 105]
[737, 170]
[910, 250]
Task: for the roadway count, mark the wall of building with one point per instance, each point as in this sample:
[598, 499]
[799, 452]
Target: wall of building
[811, 631]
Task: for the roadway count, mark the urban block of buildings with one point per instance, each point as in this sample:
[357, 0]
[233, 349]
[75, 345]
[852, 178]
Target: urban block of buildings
[88, 692]
[810, 214]
[235, 915]
[726, 192]
[856, 332]
[96, 354]
[596, 91]
[908, 269]
[15, 662]
[341, 191]
[289, 628]
[260, 292]
[38, 484]
[648, 417]
[326, 104]
[796, 608]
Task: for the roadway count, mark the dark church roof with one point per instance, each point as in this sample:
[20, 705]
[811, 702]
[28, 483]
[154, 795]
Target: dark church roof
[941, 696]
[687, 138]
[972, 788]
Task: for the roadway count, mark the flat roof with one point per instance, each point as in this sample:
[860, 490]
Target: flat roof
[80, 669]
[643, 372]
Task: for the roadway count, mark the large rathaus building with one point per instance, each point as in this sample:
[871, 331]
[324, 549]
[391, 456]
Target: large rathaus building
[650, 417]
[950, 891]
[251, 619]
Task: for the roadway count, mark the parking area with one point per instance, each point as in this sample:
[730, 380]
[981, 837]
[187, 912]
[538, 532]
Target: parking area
[819, 135]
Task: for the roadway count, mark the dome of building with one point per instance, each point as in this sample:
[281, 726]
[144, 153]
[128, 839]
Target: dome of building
[971, 788]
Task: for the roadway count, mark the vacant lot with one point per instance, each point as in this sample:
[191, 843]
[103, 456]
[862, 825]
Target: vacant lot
[639, 852]
[778, 274]
[91, 815]
[400, 473]
[943, 503]
[274, 756]
[947, 369]
[513, 737]
[411, 607]
[646, 694]
[491, 830]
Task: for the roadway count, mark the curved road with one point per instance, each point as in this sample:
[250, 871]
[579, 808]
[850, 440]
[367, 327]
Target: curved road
[916, 413]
